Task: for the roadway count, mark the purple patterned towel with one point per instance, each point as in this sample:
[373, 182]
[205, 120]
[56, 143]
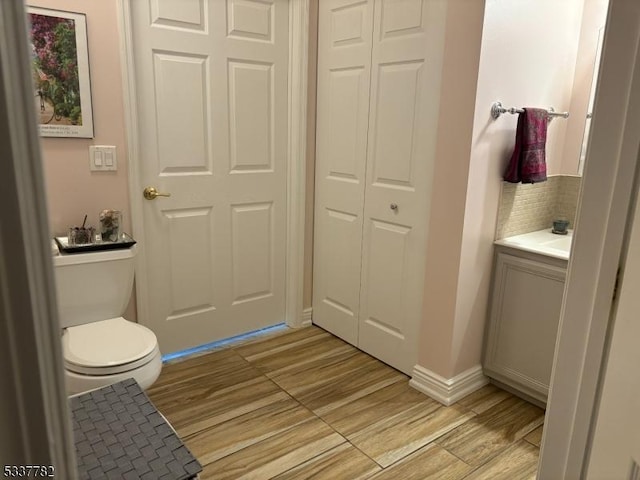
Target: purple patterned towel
[527, 164]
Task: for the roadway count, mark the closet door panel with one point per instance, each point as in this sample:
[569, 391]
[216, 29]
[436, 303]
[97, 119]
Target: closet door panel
[386, 264]
[344, 69]
[405, 86]
[395, 126]
[344, 120]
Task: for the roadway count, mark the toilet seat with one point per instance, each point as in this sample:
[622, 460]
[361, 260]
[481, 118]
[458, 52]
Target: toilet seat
[108, 347]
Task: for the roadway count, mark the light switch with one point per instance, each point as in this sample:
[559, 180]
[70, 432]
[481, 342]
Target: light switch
[102, 158]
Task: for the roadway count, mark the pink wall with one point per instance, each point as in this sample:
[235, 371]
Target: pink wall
[451, 171]
[459, 250]
[527, 59]
[72, 190]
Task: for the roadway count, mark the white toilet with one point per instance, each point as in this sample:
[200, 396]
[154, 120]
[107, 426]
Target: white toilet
[100, 347]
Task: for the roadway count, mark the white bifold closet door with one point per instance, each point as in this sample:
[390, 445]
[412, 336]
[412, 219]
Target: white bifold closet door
[379, 68]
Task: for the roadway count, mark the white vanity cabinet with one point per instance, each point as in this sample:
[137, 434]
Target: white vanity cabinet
[523, 320]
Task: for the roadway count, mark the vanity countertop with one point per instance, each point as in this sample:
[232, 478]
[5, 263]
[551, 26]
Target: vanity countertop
[542, 242]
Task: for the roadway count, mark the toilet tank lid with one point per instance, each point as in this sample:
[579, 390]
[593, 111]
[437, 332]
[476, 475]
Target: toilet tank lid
[107, 343]
[92, 257]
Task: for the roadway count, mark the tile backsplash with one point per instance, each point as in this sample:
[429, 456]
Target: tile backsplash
[529, 207]
[568, 192]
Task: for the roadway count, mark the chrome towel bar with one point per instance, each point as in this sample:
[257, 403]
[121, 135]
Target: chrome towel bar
[498, 109]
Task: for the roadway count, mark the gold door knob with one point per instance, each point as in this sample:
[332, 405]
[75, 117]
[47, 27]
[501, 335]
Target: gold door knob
[150, 193]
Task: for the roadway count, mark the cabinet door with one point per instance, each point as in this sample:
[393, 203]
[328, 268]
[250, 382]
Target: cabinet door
[523, 324]
[344, 68]
[405, 89]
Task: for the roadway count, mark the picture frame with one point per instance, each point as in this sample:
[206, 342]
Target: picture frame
[60, 66]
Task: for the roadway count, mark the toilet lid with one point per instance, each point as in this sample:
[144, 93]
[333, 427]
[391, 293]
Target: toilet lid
[108, 343]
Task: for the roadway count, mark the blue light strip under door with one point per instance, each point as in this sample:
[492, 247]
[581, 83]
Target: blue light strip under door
[223, 342]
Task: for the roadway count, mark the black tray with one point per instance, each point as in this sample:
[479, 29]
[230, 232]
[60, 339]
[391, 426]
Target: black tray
[64, 247]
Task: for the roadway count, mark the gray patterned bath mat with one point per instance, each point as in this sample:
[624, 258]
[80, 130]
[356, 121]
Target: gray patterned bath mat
[119, 434]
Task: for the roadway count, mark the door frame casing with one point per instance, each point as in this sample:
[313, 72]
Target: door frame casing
[605, 202]
[296, 158]
[34, 410]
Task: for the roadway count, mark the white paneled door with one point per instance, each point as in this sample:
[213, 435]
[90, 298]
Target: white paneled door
[211, 85]
[379, 67]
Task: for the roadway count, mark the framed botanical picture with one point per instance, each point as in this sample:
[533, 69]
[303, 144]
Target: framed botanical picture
[60, 65]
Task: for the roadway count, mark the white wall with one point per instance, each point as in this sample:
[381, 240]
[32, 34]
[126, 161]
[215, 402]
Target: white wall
[527, 58]
[593, 18]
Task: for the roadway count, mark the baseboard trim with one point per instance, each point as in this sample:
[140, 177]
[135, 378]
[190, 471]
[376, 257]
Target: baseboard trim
[306, 317]
[447, 390]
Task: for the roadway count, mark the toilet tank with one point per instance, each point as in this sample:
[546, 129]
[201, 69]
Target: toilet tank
[93, 286]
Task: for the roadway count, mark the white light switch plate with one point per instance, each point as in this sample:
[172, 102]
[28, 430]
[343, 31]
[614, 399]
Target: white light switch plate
[102, 158]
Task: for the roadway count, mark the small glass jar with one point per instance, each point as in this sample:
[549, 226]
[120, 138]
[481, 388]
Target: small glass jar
[560, 227]
[110, 225]
[81, 235]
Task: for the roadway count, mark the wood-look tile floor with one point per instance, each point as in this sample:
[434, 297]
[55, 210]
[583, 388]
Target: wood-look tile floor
[303, 404]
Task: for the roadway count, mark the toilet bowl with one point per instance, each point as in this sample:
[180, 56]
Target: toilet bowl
[100, 347]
